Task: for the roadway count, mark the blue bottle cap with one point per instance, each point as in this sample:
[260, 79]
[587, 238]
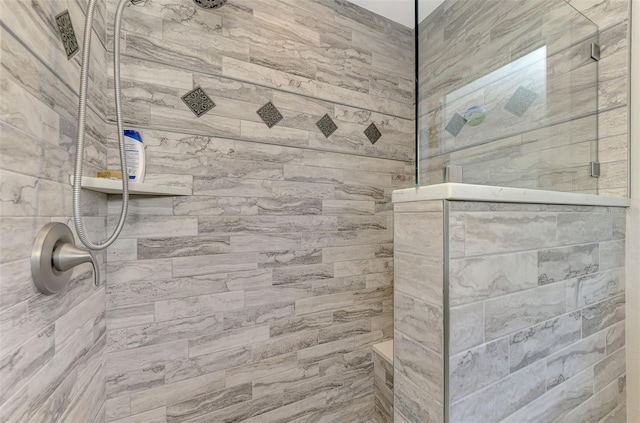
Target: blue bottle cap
[133, 134]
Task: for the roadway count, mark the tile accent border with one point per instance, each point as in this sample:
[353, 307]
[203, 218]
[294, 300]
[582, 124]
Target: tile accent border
[327, 126]
[270, 115]
[67, 34]
[373, 133]
[198, 101]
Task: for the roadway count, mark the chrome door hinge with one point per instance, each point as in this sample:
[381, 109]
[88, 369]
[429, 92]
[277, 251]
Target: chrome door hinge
[595, 51]
[453, 173]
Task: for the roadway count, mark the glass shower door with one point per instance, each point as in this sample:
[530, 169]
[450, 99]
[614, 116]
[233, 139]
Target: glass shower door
[507, 94]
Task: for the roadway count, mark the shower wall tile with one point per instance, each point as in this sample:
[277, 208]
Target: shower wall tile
[48, 375]
[418, 313]
[277, 272]
[557, 302]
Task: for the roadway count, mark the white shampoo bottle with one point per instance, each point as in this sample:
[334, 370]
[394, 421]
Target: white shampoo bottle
[134, 150]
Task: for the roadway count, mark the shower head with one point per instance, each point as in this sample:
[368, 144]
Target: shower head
[210, 4]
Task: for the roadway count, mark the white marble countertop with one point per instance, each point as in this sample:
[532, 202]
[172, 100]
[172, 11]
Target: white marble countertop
[468, 192]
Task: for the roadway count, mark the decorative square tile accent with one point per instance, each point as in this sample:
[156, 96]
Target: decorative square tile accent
[372, 133]
[327, 126]
[455, 125]
[520, 101]
[68, 35]
[270, 115]
[198, 101]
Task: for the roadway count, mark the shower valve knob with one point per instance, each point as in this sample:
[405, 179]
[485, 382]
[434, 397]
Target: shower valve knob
[53, 257]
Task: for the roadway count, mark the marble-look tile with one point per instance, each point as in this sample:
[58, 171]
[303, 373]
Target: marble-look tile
[305, 338]
[575, 358]
[24, 362]
[132, 315]
[264, 369]
[173, 330]
[321, 352]
[143, 226]
[149, 248]
[601, 315]
[278, 293]
[159, 415]
[419, 364]
[191, 367]
[176, 392]
[537, 342]
[126, 272]
[476, 279]
[600, 404]
[466, 327]
[419, 276]
[250, 316]
[421, 321]
[609, 369]
[228, 339]
[135, 292]
[618, 415]
[415, 403]
[587, 290]
[476, 368]
[615, 337]
[612, 254]
[419, 233]
[13, 327]
[558, 264]
[16, 286]
[556, 403]
[510, 313]
[487, 233]
[202, 406]
[214, 206]
[575, 228]
[223, 263]
[501, 399]
[201, 305]
[118, 408]
[145, 357]
[289, 206]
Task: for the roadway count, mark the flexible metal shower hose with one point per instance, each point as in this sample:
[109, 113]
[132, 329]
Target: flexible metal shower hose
[82, 117]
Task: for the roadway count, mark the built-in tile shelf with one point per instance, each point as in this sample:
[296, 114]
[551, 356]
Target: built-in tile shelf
[114, 186]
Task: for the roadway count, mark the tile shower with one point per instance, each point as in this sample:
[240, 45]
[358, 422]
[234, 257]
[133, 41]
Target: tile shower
[259, 297]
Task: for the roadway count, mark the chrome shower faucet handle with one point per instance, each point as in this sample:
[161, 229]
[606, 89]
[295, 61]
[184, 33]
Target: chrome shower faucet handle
[53, 257]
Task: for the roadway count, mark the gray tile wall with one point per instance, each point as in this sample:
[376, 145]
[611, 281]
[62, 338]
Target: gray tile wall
[383, 389]
[259, 297]
[418, 312]
[537, 298]
[52, 348]
[536, 313]
[510, 151]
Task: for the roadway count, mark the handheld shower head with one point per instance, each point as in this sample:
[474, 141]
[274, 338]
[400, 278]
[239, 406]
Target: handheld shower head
[210, 4]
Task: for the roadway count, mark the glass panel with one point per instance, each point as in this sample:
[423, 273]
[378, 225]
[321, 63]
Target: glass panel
[507, 94]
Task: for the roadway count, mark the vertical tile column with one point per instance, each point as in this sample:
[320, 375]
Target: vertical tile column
[418, 308]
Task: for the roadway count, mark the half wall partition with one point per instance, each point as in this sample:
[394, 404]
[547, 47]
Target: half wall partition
[509, 254]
